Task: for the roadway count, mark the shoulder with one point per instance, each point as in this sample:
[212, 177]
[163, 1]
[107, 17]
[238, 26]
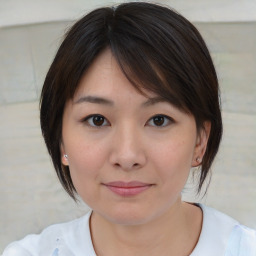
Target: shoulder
[242, 242]
[216, 220]
[220, 232]
[53, 240]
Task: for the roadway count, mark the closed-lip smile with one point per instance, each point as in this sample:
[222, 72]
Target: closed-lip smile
[127, 189]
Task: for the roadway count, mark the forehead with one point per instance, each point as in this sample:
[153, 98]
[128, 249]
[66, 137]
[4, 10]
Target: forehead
[105, 77]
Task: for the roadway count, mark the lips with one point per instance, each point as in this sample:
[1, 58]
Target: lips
[126, 189]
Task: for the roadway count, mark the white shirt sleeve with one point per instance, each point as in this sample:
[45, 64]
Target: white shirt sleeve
[242, 242]
[16, 249]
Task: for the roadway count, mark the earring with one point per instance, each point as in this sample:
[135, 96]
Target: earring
[198, 159]
[66, 156]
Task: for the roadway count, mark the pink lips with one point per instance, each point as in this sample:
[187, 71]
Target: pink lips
[127, 188]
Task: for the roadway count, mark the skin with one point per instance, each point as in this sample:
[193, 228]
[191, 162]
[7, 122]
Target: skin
[130, 145]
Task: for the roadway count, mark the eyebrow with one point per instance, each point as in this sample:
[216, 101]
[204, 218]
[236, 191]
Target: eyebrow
[104, 101]
[94, 99]
[153, 101]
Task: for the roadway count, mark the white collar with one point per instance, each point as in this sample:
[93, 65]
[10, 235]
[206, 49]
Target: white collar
[215, 233]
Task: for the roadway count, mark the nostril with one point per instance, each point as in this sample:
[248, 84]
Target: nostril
[126, 166]
[127, 159]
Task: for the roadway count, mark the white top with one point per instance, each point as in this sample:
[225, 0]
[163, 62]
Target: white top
[220, 236]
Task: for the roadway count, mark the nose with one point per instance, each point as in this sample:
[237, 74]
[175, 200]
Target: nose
[127, 151]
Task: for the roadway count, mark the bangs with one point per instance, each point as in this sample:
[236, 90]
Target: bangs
[146, 65]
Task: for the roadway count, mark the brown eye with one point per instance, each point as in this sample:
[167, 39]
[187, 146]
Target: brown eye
[96, 120]
[160, 121]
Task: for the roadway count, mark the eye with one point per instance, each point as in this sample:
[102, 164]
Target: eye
[160, 121]
[96, 120]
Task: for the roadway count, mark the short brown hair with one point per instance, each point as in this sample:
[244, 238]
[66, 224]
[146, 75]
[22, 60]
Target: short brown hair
[156, 48]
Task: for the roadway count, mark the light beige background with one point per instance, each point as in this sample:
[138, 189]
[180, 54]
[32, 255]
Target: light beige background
[30, 32]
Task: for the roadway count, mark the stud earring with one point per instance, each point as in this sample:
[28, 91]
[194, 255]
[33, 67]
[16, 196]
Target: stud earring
[198, 159]
[66, 157]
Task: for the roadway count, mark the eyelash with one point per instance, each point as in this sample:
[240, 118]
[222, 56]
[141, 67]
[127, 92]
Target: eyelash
[89, 120]
[167, 120]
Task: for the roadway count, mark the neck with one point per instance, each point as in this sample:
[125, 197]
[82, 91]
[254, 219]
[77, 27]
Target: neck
[175, 232]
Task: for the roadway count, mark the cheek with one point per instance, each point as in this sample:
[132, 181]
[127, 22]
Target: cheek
[173, 161]
[174, 152]
[86, 160]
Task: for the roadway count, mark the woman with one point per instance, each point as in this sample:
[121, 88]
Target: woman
[129, 105]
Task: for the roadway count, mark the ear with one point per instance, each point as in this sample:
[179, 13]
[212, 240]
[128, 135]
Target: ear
[201, 144]
[64, 159]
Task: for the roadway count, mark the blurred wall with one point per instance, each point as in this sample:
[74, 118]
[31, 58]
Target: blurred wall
[30, 32]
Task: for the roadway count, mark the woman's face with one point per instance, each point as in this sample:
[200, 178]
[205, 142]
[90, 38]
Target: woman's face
[129, 155]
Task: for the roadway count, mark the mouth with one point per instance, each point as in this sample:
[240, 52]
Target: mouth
[127, 189]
